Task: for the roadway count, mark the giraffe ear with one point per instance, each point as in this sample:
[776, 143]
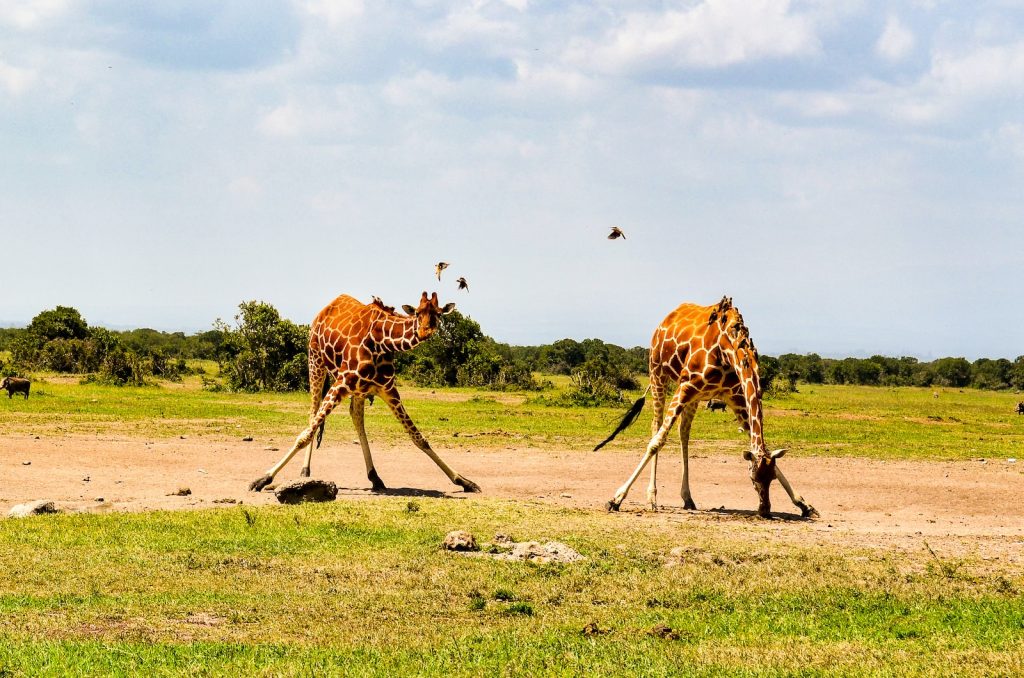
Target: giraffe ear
[748, 455]
[409, 310]
[448, 308]
[775, 454]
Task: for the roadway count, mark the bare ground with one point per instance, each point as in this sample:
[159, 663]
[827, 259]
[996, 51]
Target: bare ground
[963, 508]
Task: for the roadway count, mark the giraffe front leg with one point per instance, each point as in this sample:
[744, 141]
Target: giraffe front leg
[806, 510]
[357, 410]
[317, 377]
[333, 397]
[394, 401]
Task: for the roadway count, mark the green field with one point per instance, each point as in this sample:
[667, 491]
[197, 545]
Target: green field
[862, 421]
[362, 587]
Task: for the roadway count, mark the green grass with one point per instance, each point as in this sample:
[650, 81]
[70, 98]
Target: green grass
[361, 587]
[820, 420]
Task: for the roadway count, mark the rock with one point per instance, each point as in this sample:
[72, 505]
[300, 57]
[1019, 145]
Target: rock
[247, 439]
[299, 491]
[32, 508]
[181, 492]
[26, 463]
[100, 499]
[666, 632]
[459, 540]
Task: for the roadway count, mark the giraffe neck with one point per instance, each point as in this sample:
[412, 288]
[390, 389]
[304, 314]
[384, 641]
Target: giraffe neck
[398, 334]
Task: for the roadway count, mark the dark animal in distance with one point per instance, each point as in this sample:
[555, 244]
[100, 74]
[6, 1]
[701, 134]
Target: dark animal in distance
[714, 404]
[15, 385]
[1020, 408]
[616, 233]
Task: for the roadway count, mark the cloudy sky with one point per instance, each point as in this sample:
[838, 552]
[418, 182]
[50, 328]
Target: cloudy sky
[851, 173]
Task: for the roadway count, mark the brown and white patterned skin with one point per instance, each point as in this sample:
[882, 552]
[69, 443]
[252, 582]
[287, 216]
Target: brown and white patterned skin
[355, 344]
[707, 350]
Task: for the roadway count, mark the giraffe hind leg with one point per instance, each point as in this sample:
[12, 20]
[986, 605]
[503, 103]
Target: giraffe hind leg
[318, 387]
[356, 410]
[336, 393]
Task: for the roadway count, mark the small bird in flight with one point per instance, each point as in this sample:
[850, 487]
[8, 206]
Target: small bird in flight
[441, 265]
[616, 233]
[463, 285]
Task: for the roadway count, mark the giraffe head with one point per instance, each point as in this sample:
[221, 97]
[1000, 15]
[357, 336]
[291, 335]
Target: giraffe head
[427, 314]
[762, 473]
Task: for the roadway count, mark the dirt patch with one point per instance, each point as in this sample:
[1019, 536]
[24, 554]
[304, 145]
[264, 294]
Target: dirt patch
[964, 507]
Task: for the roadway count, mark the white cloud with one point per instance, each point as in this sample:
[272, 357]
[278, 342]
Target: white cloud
[896, 41]
[986, 70]
[335, 12]
[15, 80]
[712, 34]
[28, 14]
[245, 187]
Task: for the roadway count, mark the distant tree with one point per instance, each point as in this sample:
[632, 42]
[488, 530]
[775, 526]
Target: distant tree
[263, 352]
[62, 322]
[952, 372]
[1017, 373]
[991, 374]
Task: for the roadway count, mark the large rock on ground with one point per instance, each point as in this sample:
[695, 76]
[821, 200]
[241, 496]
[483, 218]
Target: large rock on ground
[459, 540]
[32, 508]
[299, 491]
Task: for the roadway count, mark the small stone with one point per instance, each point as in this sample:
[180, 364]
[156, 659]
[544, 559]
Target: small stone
[1011, 460]
[32, 508]
[666, 632]
[565, 495]
[181, 492]
[270, 449]
[183, 437]
[247, 439]
[299, 491]
[85, 479]
[99, 499]
[459, 540]
[26, 463]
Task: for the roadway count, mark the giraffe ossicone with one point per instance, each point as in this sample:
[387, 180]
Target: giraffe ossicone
[355, 343]
[707, 351]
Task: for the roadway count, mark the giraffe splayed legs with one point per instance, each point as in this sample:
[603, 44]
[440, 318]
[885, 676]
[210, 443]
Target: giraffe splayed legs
[708, 351]
[355, 344]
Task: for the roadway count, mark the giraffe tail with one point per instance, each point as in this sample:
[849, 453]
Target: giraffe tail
[627, 421]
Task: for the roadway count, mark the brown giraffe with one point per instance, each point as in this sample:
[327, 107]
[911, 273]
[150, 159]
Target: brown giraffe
[355, 344]
[708, 351]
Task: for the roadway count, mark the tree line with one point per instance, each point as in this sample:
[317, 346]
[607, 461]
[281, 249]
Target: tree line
[262, 351]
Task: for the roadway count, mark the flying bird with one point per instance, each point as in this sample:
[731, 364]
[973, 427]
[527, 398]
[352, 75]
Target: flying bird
[441, 265]
[616, 233]
[463, 285]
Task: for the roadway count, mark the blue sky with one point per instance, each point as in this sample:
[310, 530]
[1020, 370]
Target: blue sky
[851, 173]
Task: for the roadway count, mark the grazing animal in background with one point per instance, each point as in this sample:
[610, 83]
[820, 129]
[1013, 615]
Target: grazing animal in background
[715, 404]
[463, 285]
[15, 385]
[616, 233]
[355, 343]
[441, 265]
[708, 351]
[1020, 406]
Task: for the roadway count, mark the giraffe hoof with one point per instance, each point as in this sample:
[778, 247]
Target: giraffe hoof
[304, 473]
[467, 484]
[260, 483]
[613, 505]
[689, 505]
[808, 511]
[375, 482]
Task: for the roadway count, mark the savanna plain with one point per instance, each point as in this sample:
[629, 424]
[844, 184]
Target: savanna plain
[913, 567]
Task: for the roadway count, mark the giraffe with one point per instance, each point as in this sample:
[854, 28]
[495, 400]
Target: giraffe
[355, 344]
[709, 352]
